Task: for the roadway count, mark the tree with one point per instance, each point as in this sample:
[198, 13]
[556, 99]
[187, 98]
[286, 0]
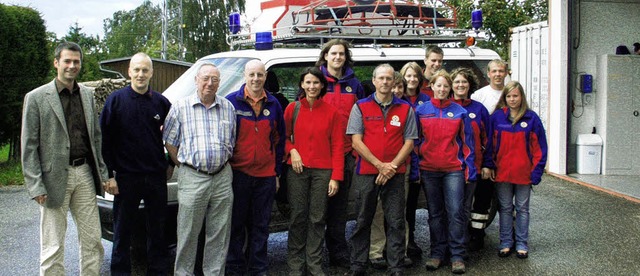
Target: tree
[129, 32]
[92, 53]
[205, 27]
[499, 17]
[25, 64]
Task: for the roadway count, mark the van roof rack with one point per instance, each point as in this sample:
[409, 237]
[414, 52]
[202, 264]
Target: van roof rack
[365, 22]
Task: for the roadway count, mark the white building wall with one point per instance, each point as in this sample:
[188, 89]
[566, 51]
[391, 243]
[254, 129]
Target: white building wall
[599, 26]
[558, 75]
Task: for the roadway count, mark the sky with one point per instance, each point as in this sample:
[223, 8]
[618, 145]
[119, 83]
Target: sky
[59, 15]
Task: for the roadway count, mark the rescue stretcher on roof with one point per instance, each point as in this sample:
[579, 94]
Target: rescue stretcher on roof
[393, 22]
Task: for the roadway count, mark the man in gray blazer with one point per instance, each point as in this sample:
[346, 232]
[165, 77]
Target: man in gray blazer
[62, 163]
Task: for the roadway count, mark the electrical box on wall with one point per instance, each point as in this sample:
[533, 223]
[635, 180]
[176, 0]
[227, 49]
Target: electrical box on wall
[586, 83]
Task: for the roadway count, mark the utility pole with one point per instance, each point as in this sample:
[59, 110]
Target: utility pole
[166, 21]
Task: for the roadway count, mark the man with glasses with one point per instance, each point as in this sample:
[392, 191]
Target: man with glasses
[199, 134]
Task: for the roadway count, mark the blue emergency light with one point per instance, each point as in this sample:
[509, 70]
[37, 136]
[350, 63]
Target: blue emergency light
[264, 41]
[234, 22]
[476, 19]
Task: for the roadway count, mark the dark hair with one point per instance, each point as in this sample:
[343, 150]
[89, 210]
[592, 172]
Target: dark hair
[66, 45]
[636, 46]
[469, 76]
[327, 46]
[433, 49]
[399, 78]
[622, 50]
[314, 71]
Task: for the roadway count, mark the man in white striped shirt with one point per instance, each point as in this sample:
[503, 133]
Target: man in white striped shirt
[199, 134]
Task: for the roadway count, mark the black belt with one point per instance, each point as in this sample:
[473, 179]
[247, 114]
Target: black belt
[78, 162]
[205, 172]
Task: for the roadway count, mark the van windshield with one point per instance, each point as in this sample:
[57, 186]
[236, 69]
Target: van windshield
[231, 78]
[287, 75]
[283, 77]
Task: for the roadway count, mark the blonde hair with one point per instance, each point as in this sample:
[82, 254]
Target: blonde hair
[524, 106]
[442, 73]
[497, 62]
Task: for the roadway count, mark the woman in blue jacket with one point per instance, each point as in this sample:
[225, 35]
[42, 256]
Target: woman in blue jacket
[465, 82]
[446, 164]
[519, 149]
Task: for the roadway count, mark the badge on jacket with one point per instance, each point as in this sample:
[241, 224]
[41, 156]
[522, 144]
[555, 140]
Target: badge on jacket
[395, 121]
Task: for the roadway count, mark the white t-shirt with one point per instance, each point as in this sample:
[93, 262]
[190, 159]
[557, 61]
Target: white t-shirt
[488, 97]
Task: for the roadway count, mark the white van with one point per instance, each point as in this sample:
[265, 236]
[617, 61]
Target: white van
[290, 54]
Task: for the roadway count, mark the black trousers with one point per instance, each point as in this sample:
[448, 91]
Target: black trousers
[337, 214]
[152, 188]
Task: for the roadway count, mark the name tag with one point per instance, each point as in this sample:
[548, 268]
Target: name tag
[243, 113]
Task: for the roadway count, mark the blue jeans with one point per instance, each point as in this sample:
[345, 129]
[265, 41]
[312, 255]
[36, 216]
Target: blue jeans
[252, 204]
[447, 220]
[506, 194]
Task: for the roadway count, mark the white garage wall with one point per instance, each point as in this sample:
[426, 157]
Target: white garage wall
[600, 26]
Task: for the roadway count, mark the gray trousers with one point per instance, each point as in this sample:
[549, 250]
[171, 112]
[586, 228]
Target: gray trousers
[392, 198]
[308, 202]
[203, 199]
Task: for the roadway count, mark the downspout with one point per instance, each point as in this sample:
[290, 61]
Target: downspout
[110, 71]
[570, 61]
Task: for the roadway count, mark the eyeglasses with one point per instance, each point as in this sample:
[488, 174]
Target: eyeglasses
[207, 79]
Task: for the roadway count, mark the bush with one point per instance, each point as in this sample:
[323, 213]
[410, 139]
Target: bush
[11, 173]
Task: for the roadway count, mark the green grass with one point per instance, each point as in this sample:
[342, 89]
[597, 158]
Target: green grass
[10, 171]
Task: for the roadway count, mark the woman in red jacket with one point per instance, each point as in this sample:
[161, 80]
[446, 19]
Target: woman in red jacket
[315, 155]
[446, 167]
[519, 148]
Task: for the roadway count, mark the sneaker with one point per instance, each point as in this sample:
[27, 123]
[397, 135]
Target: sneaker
[379, 263]
[457, 267]
[433, 264]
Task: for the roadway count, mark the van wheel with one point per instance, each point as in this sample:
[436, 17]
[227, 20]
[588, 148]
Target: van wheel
[493, 210]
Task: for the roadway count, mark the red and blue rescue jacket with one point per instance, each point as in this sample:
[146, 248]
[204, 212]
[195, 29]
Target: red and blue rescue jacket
[383, 135]
[445, 138]
[414, 173]
[343, 94]
[519, 150]
[480, 124]
[259, 149]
